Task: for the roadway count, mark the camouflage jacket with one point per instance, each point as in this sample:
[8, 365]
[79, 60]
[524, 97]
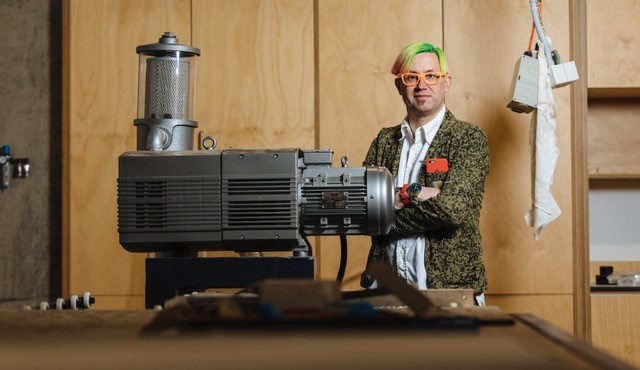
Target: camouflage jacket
[449, 221]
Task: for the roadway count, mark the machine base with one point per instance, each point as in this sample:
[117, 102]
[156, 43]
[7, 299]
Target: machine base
[168, 276]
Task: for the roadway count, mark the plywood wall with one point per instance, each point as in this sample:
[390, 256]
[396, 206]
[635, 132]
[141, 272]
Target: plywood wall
[524, 274]
[482, 65]
[613, 44]
[314, 74]
[255, 86]
[556, 309]
[100, 105]
[616, 324]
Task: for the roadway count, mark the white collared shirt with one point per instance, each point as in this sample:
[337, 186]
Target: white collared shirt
[408, 253]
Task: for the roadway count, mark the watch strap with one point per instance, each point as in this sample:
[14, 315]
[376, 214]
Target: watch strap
[404, 195]
[413, 191]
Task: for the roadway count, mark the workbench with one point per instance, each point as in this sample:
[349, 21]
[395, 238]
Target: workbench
[95, 339]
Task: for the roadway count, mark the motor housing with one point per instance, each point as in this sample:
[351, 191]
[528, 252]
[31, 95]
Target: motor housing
[246, 199]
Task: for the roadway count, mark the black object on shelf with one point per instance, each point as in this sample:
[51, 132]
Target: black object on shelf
[605, 271]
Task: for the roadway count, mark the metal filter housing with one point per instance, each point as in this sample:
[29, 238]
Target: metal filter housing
[166, 91]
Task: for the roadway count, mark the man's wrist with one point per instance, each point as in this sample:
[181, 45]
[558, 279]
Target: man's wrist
[397, 203]
[404, 195]
[413, 192]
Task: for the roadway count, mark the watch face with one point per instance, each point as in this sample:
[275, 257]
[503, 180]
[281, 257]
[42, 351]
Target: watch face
[415, 188]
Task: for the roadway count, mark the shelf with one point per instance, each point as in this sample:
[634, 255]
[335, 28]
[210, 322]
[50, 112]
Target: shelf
[613, 176]
[613, 92]
[614, 288]
[613, 127]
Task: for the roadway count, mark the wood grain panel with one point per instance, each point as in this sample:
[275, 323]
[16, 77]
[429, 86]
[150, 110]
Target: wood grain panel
[358, 41]
[112, 339]
[482, 66]
[614, 137]
[101, 97]
[580, 187]
[613, 44]
[256, 73]
[119, 302]
[556, 309]
[615, 325]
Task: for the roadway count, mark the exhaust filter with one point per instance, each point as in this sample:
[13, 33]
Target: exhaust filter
[166, 85]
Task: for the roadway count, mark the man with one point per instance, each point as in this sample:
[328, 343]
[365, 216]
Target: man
[439, 165]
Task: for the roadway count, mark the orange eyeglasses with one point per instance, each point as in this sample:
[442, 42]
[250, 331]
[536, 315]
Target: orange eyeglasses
[412, 79]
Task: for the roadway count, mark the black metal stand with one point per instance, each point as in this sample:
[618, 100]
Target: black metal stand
[167, 276]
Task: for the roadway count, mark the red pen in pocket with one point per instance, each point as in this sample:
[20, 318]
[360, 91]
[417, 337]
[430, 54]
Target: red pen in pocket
[437, 165]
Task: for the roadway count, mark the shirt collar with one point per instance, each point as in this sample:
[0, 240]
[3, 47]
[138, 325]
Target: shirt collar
[429, 129]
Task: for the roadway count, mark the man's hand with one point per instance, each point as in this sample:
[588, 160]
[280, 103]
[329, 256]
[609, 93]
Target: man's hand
[398, 202]
[427, 193]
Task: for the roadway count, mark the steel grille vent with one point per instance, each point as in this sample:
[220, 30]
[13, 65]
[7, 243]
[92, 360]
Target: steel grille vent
[152, 211]
[259, 203]
[167, 87]
[169, 204]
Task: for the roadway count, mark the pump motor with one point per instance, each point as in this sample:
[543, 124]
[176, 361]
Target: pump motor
[177, 200]
[246, 200]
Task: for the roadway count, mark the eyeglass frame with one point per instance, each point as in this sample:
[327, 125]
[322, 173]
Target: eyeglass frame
[422, 76]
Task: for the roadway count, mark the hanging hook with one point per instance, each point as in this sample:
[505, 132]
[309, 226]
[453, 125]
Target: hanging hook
[345, 161]
[209, 143]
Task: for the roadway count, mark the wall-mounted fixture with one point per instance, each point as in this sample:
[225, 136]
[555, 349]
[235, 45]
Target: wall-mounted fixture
[18, 168]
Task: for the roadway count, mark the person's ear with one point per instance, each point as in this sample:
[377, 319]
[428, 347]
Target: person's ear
[447, 83]
[399, 85]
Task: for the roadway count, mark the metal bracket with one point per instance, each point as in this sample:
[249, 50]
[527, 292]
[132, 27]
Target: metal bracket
[21, 167]
[320, 180]
[346, 179]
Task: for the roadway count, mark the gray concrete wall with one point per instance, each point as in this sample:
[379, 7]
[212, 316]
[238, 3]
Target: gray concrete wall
[30, 121]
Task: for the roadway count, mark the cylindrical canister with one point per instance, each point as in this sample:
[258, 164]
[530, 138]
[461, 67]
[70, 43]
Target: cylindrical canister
[166, 91]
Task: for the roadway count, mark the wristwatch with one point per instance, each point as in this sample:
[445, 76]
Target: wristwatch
[413, 190]
[404, 195]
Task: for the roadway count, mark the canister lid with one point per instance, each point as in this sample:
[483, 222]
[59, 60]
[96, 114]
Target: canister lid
[168, 42]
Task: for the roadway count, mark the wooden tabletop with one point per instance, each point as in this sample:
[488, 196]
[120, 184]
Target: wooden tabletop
[94, 339]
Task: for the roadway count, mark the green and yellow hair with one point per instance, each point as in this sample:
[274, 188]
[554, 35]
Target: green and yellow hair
[404, 60]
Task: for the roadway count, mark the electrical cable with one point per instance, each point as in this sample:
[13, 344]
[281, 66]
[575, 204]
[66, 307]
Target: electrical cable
[536, 21]
[343, 258]
[309, 249]
[533, 26]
